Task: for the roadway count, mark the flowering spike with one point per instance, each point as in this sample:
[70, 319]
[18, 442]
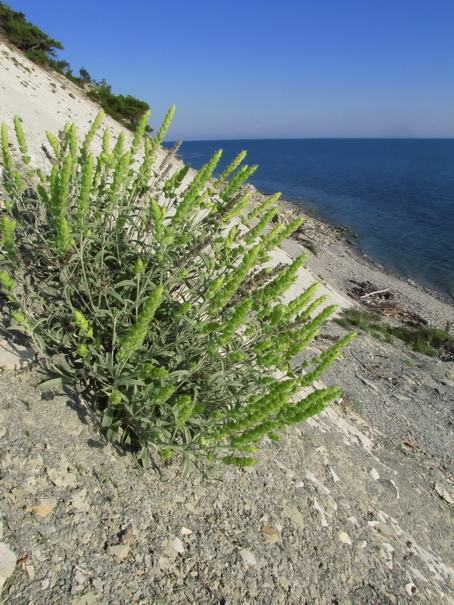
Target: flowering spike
[162, 131]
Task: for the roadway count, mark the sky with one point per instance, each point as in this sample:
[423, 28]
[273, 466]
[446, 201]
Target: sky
[247, 69]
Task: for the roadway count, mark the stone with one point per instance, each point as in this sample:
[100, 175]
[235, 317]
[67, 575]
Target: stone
[14, 357]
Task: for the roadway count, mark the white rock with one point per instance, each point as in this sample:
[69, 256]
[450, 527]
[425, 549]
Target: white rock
[322, 513]
[374, 474]
[443, 493]
[316, 482]
[80, 577]
[290, 474]
[344, 537]
[177, 545]
[14, 357]
[248, 557]
[78, 501]
[120, 552]
[335, 477]
[7, 563]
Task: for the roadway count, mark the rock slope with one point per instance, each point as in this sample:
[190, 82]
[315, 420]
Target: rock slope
[353, 507]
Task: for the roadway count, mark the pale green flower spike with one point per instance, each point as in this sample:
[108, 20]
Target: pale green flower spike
[120, 173]
[83, 324]
[230, 168]
[72, 140]
[82, 350]
[61, 203]
[136, 335]
[7, 161]
[115, 397]
[53, 142]
[162, 131]
[8, 227]
[264, 221]
[264, 205]
[234, 461]
[93, 128]
[21, 140]
[86, 180]
[287, 232]
[105, 141]
[63, 238]
[238, 179]
[117, 151]
[238, 207]
[139, 266]
[6, 281]
[139, 133]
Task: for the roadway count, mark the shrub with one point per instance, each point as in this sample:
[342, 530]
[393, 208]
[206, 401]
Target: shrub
[126, 110]
[153, 296]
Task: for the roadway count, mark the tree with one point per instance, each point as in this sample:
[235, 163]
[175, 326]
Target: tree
[85, 75]
[35, 44]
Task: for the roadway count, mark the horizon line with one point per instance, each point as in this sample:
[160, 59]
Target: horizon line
[447, 138]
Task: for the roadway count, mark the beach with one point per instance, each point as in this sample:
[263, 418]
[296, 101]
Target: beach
[352, 507]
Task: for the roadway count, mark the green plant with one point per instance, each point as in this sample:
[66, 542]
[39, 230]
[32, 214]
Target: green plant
[364, 320]
[429, 341]
[126, 110]
[152, 295]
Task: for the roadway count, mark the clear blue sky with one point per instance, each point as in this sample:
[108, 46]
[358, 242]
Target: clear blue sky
[266, 68]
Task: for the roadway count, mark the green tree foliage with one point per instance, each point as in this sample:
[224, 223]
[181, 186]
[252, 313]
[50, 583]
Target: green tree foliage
[35, 44]
[40, 48]
[85, 76]
[126, 110]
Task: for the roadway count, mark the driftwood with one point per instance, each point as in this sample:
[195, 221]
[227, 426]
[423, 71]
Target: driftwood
[376, 292]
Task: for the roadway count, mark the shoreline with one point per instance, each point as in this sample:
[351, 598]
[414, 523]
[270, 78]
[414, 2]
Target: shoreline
[363, 256]
[340, 262]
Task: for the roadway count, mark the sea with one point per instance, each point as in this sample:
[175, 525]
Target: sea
[396, 196]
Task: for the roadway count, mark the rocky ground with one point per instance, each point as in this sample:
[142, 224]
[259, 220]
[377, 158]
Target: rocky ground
[352, 507]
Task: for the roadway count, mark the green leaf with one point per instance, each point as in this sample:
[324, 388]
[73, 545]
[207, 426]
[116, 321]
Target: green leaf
[51, 384]
[125, 282]
[108, 416]
[185, 467]
[214, 378]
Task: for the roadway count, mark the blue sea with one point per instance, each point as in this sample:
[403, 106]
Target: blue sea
[397, 195]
